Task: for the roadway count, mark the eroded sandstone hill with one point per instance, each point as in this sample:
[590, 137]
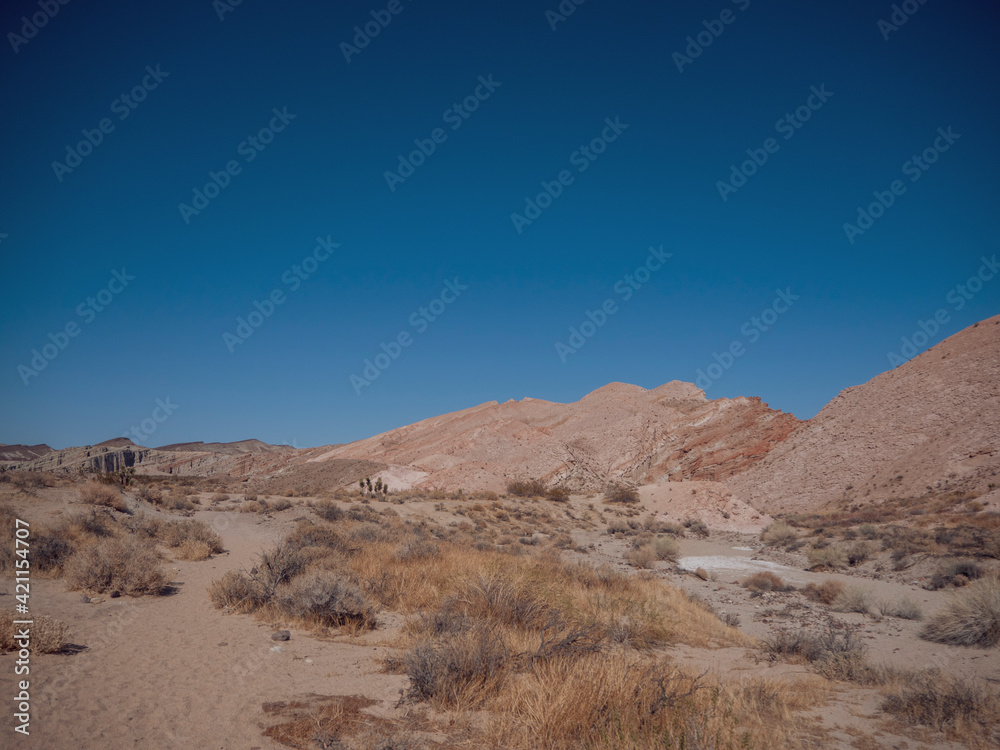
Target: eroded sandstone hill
[930, 424]
[617, 433]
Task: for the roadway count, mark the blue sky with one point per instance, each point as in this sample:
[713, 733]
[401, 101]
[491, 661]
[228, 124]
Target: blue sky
[485, 301]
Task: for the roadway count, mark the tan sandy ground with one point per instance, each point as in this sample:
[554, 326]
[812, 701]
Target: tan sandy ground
[174, 672]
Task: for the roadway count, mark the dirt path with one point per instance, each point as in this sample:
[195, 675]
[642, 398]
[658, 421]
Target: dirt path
[173, 671]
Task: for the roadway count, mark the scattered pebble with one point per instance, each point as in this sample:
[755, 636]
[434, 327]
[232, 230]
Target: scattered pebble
[277, 648]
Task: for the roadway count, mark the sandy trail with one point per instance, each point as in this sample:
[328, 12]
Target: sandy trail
[173, 671]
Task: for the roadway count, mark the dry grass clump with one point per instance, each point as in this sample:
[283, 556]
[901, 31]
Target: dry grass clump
[324, 598]
[48, 635]
[117, 564]
[962, 710]
[826, 558]
[97, 493]
[193, 550]
[177, 533]
[859, 552]
[824, 593]
[955, 573]
[765, 581]
[855, 599]
[696, 526]
[667, 548]
[779, 533]
[904, 608]
[642, 556]
[835, 654]
[621, 493]
[971, 618]
[527, 488]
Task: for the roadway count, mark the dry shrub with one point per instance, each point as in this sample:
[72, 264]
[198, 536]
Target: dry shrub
[778, 533]
[124, 565]
[824, 593]
[617, 701]
[461, 670]
[324, 598]
[329, 511]
[621, 493]
[859, 552]
[193, 550]
[176, 533]
[855, 599]
[834, 654]
[667, 548]
[97, 493]
[253, 506]
[50, 549]
[960, 709]
[955, 573]
[499, 598]
[641, 557]
[828, 558]
[47, 636]
[527, 488]
[904, 608]
[237, 592]
[971, 618]
[765, 581]
[696, 526]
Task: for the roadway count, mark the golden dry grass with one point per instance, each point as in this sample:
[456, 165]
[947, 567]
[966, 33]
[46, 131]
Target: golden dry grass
[47, 634]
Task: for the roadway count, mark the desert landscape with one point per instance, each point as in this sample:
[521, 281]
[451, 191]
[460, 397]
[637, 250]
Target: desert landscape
[638, 569]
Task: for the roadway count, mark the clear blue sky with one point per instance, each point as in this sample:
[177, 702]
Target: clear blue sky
[552, 91]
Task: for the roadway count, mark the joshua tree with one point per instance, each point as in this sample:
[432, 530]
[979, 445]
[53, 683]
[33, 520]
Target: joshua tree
[368, 481]
[361, 485]
[378, 486]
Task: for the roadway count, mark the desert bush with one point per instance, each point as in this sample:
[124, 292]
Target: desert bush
[824, 593]
[329, 512]
[276, 567]
[953, 706]
[527, 488]
[859, 552]
[829, 557]
[765, 581]
[96, 493]
[369, 532]
[50, 549]
[955, 573]
[667, 548]
[325, 598]
[279, 504]
[322, 536]
[117, 564]
[249, 495]
[971, 618]
[642, 556]
[502, 599]
[778, 533]
[696, 526]
[176, 533]
[418, 549]
[558, 495]
[193, 550]
[855, 599]
[905, 609]
[253, 506]
[868, 531]
[238, 592]
[48, 635]
[834, 654]
[149, 494]
[620, 493]
[461, 670]
[219, 497]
